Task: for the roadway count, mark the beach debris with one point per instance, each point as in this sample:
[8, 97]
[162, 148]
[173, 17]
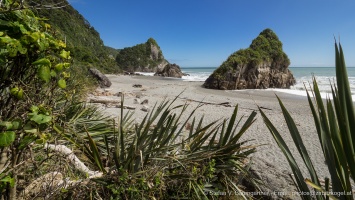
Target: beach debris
[137, 86]
[126, 107]
[225, 104]
[102, 93]
[145, 108]
[265, 108]
[136, 101]
[145, 101]
[103, 80]
[139, 94]
[188, 126]
[118, 94]
[104, 100]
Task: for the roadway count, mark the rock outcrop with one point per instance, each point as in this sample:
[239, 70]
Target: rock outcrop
[262, 65]
[145, 57]
[102, 79]
[170, 70]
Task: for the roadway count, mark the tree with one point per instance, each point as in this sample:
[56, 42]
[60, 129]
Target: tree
[12, 5]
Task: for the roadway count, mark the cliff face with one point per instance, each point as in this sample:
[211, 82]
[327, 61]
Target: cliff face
[146, 57]
[262, 65]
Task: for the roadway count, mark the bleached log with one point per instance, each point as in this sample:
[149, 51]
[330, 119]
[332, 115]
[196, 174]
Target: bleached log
[54, 180]
[104, 101]
[71, 157]
[126, 107]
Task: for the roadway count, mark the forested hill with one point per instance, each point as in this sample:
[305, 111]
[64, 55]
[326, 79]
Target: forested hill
[82, 39]
[145, 57]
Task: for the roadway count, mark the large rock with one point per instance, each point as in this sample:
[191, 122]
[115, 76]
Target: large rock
[103, 80]
[262, 65]
[170, 70]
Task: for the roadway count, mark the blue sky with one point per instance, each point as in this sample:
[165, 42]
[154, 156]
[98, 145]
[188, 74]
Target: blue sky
[203, 33]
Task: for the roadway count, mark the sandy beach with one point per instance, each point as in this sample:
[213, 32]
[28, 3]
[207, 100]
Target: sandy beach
[268, 162]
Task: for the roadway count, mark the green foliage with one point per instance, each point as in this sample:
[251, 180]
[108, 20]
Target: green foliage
[131, 58]
[82, 40]
[159, 158]
[335, 128]
[29, 88]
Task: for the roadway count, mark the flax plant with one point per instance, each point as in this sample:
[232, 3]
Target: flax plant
[160, 158]
[335, 124]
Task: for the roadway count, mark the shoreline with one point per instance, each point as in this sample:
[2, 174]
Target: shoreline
[268, 162]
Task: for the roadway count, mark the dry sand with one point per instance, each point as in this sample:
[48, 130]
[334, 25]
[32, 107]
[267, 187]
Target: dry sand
[268, 162]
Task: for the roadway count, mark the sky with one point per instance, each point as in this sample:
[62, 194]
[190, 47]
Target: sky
[203, 33]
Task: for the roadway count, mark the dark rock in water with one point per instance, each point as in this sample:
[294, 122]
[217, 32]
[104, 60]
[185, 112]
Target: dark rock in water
[170, 70]
[103, 80]
[262, 65]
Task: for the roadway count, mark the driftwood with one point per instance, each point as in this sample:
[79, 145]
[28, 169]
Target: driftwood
[55, 180]
[126, 107]
[104, 101]
[71, 157]
[225, 104]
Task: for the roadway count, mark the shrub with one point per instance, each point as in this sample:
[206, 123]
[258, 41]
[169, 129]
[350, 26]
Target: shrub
[33, 75]
[159, 158]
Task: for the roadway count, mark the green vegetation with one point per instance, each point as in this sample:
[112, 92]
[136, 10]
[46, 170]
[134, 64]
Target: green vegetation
[166, 161]
[142, 57]
[82, 40]
[335, 127]
[33, 86]
[265, 48]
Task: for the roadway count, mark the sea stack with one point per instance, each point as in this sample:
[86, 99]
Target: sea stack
[262, 65]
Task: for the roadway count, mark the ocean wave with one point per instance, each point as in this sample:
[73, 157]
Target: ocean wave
[324, 83]
[303, 82]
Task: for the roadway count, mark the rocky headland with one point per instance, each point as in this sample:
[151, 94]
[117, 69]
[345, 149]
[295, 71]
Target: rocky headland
[262, 65]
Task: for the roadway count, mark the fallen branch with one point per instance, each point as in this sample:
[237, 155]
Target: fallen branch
[71, 157]
[104, 101]
[53, 181]
[126, 107]
[225, 104]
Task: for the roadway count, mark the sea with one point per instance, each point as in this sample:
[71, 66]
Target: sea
[325, 76]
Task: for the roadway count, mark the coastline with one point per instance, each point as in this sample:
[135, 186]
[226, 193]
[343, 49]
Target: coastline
[268, 162]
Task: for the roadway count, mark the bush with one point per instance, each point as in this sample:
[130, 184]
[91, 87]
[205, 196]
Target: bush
[33, 80]
[159, 158]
